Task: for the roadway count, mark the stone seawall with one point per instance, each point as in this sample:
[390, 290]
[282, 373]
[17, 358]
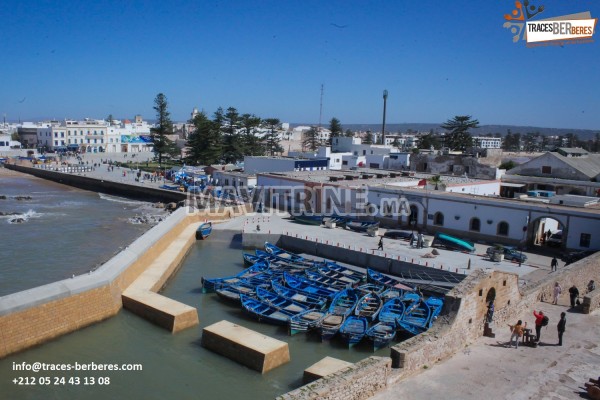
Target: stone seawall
[102, 186]
[358, 381]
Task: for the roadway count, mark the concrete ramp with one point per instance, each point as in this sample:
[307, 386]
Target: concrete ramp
[252, 349]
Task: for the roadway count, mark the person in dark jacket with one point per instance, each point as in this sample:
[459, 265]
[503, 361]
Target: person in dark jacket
[539, 317]
[573, 295]
[561, 327]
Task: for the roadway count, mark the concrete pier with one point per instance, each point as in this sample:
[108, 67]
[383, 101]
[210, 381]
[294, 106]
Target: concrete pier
[140, 296]
[326, 366]
[250, 348]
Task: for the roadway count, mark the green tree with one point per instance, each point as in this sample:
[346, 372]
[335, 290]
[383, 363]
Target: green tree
[530, 142]
[272, 139]
[204, 143]
[349, 133]
[15, 136]
[162, 128]
[252, 145]
[397, 144]
[368, 138]
[336, 129]
[233, 145]
[109, 119]
[429, 140]
[311, 139]
[459, 137]
[510, 164]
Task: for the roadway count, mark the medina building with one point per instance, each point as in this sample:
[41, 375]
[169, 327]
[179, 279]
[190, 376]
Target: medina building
[463, 207]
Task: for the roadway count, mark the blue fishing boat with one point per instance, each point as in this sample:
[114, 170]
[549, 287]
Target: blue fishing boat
[353, 329]
[251, 259]
[306, 321]
[204, 231]
[391, 293]
[454, 243]
[326, 281]
[381, 334]
[369, 306]
[283, 254]
[210, 284]
[341, 307]
[361, 226]
[370, 287]
[307, 286]
[343, 270]
[381, 279]
[308, 219]
[436, 304]
[392, 310]
[231, 292]
[311, 300]
[265, 312]
[352, 278]
[416, 319]
[280, 302]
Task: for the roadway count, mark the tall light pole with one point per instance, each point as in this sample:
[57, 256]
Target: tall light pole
[385, 96]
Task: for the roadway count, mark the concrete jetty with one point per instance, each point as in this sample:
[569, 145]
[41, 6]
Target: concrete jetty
[250, 348]
[324, 367]
[140, 297]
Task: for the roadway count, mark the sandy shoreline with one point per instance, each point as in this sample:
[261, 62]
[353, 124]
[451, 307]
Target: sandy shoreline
[5, 172]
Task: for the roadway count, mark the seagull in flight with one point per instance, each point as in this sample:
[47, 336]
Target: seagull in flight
[339, 26]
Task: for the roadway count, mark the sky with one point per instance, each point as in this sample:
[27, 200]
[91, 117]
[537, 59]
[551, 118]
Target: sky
[77, 59]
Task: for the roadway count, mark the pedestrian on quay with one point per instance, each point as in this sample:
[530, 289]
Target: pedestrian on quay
[420, 240]
[573, 295]
[490, 312]
[557, 291]
[539, 322]
[412, 239]
[562, 323]
[380, 245]
[516, 332]
[554, 264]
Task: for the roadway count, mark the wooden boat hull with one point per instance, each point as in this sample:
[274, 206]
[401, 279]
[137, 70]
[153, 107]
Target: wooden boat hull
[368, 306]
[330, 325]
[306, 321]
[313, 301]
[264, 312]
[353, 330]
[381, 334]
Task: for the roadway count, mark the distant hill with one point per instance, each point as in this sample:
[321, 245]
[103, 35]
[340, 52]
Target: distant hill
[583, 134]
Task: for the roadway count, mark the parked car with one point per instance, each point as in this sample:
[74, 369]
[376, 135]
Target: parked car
[510, 253]
[555, 240]
[404, 235]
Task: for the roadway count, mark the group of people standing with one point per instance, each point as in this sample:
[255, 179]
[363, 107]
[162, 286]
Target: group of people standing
[518, 330]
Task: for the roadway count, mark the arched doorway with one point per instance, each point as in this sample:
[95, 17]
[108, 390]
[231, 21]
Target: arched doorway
[547, 232]
[413, 218]
[490, 300]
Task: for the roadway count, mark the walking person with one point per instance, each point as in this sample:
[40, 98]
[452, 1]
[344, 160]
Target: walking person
[539, 322]
[557, 291]
[380, 245]
[573, 295]
[419, 240]
[412, 239]
[490, 311]
[554, 264]
[561, 327]
[516, 332]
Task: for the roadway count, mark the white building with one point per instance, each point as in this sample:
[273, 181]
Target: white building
[6, 143]
[485, 142]
[233, 178]
[255, 164]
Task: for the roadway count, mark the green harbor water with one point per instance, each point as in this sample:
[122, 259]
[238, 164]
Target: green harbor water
[174, 366]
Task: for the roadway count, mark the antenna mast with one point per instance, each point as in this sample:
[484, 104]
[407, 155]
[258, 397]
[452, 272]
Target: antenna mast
[321, 108]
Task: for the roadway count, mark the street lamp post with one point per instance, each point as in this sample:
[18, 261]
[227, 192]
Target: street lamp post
[385, 96]
[524, 239]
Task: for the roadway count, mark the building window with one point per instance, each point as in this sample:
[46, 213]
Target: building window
[475, 224]
[546, 169]
[502, 229]
[438, 219]
[585, 240]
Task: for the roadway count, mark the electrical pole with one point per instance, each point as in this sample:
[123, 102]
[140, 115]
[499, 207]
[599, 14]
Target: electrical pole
[385, 96]
[320, 110]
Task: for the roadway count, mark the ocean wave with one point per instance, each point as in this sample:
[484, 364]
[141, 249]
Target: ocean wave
[117, 199]
[19, 218]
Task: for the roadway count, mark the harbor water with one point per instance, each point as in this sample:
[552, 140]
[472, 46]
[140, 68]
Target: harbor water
[174, 365]
[50, 232]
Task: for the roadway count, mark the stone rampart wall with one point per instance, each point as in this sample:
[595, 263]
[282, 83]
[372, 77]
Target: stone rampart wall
[358, 381]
